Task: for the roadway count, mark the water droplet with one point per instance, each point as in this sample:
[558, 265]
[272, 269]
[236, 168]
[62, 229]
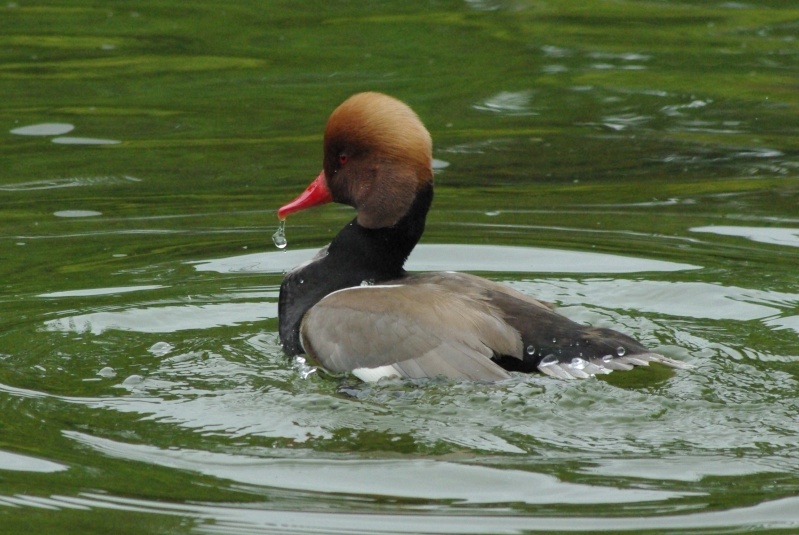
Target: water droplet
[620, 351]
[578, 363]
[607, 358]
[302, 281]
[279, 237]
[554, 340]
[531, 350]
[368, 282]
[549, 360]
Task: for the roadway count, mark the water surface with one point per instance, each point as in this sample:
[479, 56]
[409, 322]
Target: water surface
[635, 163]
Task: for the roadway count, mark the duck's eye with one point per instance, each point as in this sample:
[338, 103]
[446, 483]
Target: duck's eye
[342, 158]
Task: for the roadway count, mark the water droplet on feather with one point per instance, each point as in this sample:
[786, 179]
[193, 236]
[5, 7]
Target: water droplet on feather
[549, 360]
[578, 363]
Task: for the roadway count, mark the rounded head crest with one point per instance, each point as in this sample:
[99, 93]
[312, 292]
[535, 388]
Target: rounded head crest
[379, 125]
[378, 156]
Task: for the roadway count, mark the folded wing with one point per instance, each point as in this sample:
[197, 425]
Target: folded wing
[461, 327]
[417, 329]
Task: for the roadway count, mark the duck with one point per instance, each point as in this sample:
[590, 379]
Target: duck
[354, 309]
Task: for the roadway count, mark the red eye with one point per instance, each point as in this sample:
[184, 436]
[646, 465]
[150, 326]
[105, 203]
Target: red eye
[342, 159]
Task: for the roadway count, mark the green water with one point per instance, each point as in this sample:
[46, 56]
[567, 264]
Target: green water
[636, 163]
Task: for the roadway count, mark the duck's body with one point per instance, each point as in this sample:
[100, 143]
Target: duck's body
[353, 307]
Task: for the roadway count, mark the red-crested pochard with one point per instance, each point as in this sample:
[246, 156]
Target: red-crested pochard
[353, 308]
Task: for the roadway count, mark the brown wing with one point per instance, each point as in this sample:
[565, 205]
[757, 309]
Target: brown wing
[417, 329]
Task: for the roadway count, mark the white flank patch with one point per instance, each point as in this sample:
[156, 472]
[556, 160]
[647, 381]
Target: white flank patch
[372, 375]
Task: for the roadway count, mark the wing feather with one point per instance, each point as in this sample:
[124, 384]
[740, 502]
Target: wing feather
[421, 330]
[458, 326]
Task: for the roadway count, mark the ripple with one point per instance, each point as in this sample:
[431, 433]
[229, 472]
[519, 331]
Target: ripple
[409, 478]
[623, 56]
[610, 66]
[681, 299]
[760, 153]
[508, 103]
[554, 69]
[23, 463]
[774, 235]
[552, 51]
[267, 519]
[70, 182]
[88, 292]
[69, 140]
[165, 319]
[677, 468]
[450, 257]
[676, 110]
[622, 122]
[77, 213]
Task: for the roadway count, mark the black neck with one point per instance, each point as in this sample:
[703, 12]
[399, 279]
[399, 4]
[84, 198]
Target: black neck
[382, 251]
[356, 255]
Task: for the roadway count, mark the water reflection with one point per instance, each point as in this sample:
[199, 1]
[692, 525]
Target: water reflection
[121, 374]
[266, 518]
[774, 235]
[508, 103]
[450, 257]
[44, 129]
[70, 182]
[77, 213]
[24, 463]
[165, 319]
[411, 478]
[87, 292]
[680, 299]
[625, 121]
[59, 129]
[679, 468]
[65, 140]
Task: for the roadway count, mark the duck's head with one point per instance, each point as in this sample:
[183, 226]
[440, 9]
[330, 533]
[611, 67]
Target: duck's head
[377, 158]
